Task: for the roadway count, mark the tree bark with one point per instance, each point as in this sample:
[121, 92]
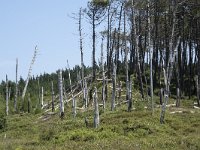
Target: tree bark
[60, 84]
[16, 86]
[96, 109]
[52, 97]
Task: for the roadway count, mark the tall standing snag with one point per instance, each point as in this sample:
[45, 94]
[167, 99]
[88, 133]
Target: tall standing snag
[60, 85]
[16, 86]
[73, 99]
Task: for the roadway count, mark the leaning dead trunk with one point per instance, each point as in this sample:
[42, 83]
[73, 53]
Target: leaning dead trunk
[60, 85]
[7, 108]
[29, 73]
[96, 109]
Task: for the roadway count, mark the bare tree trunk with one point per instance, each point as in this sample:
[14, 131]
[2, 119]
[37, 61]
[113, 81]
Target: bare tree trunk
[29, 104]
[137, 53]
[167, 77]
[60, 84]
[82, 64]
[42, 97]
[52, 96]
[29, 73]
[126, 59]
[151, 56]
[39, 92]
[16, 86]
[114, 87]
[130, 103]
[177, 97]
[103, 76]
[96, 109]
[7, 107]
[119, 91]
[9, 93]
[73, 99]
[93, 47]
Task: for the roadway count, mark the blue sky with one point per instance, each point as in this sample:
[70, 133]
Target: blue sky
[46, 23]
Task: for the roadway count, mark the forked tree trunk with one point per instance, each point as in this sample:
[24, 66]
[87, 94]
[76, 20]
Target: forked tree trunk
[60, 85]
[96, 109]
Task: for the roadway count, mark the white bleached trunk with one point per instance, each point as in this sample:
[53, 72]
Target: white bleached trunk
[42, 97]
[60, 84]
[16, 86]
[114, 87]
[96, 109]
[29, 73]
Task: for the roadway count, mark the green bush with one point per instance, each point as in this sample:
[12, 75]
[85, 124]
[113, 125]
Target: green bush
[2, 121]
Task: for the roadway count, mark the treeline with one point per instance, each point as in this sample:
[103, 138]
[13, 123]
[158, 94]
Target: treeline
[43, 80]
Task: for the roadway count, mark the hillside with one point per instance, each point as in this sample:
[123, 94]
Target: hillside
[118, 129]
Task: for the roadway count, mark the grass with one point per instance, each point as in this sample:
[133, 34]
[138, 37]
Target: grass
[118, 130]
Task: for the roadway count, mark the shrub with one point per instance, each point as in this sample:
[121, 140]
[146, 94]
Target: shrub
[2, 121]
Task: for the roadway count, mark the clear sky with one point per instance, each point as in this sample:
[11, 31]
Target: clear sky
[46, 23]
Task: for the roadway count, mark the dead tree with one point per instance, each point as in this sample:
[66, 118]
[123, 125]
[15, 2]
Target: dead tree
[42, 97]
[126, 60]
[168, 70]
[82, 63]
[16, 86]
[151, 57]
[73, 98]
[60, 86]
[29, 104]
[130, 103]
[29, 74]
[7, 107]
[114, 87]
[96, 109]
[103, 76]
